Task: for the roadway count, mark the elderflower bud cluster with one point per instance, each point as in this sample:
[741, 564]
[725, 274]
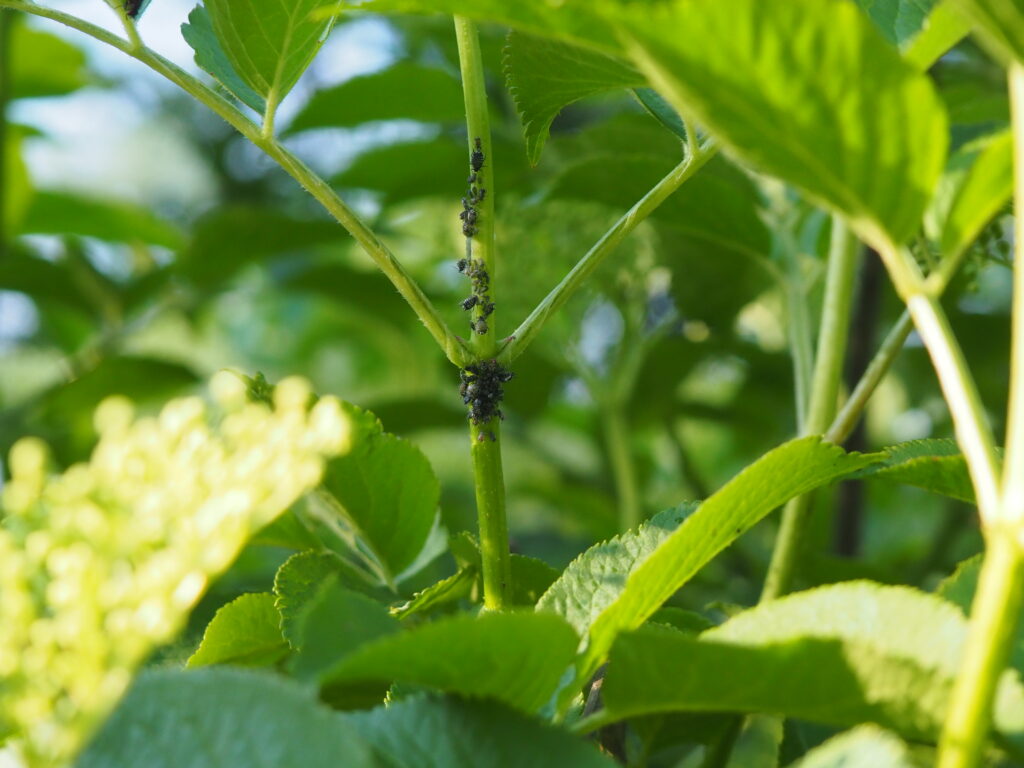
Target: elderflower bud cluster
[101, 563]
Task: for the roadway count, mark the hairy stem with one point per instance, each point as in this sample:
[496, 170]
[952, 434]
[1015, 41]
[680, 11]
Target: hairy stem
[485, 438]
[826, 377]
[996, 610]
[453, 347]
[561, 293]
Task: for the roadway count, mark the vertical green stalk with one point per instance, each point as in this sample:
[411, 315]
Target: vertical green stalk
[996, 610]
[1013, 471]
[616, 432]
[6, 30]
[799, 329]
[825, 381]
[485, 438]
[994, 617]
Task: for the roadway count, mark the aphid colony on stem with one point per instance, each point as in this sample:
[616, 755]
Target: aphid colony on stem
[481, 383]
[481, 390]
[475, 269]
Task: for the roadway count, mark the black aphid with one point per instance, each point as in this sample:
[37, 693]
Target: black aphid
[476, 159]
[481, 389]
[469, 303]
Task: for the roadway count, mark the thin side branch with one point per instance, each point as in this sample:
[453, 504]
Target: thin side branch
[454, 348]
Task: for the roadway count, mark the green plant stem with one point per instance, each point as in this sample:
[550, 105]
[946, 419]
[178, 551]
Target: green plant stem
[798, 329]
[821, 407]
[995, 613]
[454, 348]
[490, 504]
[616, 433]
[6, 29]
[485, 439]
[972, 429]
[844, 422]
[1013, 472]
[561, 293]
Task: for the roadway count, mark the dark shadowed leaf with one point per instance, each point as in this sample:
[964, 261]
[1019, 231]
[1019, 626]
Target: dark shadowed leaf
[447, 732]
[63, 213]
[935, 464]
[405, 91]
[44, 65]
[545, 76]
[516, 658]
[217, 717]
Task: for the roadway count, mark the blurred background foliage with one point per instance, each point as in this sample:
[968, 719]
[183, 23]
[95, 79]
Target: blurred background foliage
[146, 246]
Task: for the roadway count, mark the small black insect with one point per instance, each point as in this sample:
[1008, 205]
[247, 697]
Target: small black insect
[479, 325]
[481, 389]
[476, 159]
[462, 264]
[486, 308]
[468, 230]
[480, 194]
[471, 179]
[134, 8]
[469, 303]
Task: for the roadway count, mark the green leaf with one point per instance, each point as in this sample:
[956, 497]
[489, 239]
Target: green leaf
[59, 213]
[516, 658]
[198, 33]
[531, 578]
[444, 592]
[222, 716]
[945, 27]
[898, 20]
[268, 42]
[43, 64]
[334, 624]
[387, 490]
[245, 632]
[595, 580]
[42, 279]
[999, 24]
[576, 21]
[447, 732]
[661, 111]
[866, 746]
[545, 76]
[612, 591]
[405, 91]
[229, 238]
[841, 655]
[977, 185]
[934, 464]
[298, 580]
[806, 91]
